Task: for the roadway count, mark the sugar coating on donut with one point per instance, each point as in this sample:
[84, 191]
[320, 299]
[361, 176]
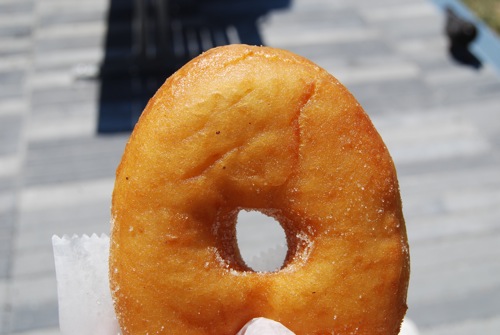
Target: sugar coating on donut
[257, 128]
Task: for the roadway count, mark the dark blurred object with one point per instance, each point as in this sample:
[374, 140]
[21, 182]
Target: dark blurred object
[148, 40]
[165, 34]
[461, 33]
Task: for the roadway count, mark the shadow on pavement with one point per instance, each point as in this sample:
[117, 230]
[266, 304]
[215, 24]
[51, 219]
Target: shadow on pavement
[148, 40]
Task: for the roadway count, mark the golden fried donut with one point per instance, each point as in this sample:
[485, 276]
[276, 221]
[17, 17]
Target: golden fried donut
[256, 128]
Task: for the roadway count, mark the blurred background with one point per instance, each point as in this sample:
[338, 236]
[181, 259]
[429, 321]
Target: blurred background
[75, 76]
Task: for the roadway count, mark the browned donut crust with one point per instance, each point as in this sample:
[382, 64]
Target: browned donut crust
[244, 127]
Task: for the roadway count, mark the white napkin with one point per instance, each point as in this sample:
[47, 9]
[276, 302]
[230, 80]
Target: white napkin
[85, 305]
[263, 326]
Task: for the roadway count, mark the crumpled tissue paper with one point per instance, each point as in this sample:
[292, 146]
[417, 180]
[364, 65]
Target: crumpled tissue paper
[85, 305]
[263, 326]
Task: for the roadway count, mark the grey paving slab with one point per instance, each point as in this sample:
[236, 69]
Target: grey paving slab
[72, 159]
[392, 94]
[13, 7]
[481, 304]
[3, 301]
[70, 16]
[11, 92]
[84, 219]
[345, 50]
[7, 226]
[14, 46]
[15, 31]
[68, 58]
[32, 303]
[68, 42]
[479, 326]
[41, 331]
[10, 134]
[73, 94]
[14, 78]
[441, 122]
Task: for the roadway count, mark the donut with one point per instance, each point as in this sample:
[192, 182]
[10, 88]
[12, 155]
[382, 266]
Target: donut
[256, 128]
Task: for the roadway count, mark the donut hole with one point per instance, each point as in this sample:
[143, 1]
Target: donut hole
[261, 241]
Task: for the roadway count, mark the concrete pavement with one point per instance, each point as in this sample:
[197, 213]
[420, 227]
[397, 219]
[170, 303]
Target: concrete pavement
[440, 120]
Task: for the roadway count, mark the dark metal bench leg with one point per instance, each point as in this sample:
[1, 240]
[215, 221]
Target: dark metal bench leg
[248, 31]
